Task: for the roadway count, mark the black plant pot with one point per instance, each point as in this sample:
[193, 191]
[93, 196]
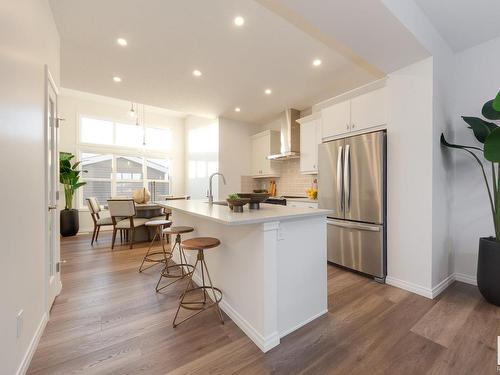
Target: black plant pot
[488, 270]
[70, 223]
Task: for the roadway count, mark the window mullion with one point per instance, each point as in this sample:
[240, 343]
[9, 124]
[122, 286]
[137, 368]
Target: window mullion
[113, 176]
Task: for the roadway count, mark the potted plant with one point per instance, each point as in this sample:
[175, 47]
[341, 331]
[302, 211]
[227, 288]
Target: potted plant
[69, 177]
[487, 133]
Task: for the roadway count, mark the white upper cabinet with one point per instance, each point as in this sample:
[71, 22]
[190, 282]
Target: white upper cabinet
[264, 144]
[362, 112]
[369, 110]
[336, 119]
[310, 137]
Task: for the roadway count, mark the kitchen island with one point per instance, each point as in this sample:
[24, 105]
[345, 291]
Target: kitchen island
[270, 266]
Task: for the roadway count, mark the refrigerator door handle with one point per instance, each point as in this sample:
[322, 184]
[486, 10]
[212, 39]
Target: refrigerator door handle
[340, 183]
[351, 225]
[347, 177]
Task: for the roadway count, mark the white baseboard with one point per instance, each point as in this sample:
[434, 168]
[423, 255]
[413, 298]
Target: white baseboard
[438, 289]
[264, 343]
[301, 324]
[434, 292]
[411, 287]
[468, 279]
[23, 367]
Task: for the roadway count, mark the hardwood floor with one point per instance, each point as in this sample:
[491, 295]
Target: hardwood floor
[109, 320]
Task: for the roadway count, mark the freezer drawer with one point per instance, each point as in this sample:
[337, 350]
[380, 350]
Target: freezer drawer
[358, 246]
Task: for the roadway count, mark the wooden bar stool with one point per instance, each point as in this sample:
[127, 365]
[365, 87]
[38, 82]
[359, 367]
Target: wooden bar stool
[183, 267]
[200, 244]
[150, 256]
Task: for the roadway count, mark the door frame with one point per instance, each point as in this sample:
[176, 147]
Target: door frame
[50, 295]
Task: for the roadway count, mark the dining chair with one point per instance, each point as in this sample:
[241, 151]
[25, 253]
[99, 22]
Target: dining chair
[123, 213]
[95, 209]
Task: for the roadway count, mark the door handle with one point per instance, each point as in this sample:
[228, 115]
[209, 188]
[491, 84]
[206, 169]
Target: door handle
[340, 183]
[347, 178]
[52, 207]
[351, 225]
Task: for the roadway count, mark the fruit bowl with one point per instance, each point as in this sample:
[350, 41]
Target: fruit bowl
[255, 199]
[236, 204]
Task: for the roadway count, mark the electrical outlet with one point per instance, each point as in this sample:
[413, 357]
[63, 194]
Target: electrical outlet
[19, 323]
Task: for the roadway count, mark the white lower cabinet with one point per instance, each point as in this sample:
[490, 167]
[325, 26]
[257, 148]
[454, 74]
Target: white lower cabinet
[302, 204]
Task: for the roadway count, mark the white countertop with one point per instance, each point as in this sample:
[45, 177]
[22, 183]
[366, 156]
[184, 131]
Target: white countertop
[222, 214]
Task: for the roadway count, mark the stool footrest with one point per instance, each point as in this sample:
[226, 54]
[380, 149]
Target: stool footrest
[165, 273]
[205, 304]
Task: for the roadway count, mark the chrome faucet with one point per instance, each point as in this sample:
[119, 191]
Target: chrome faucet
[210, 194]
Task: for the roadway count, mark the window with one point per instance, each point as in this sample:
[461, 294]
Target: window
[96, 131]
[102, 132]
[116, 162]
[128, 135]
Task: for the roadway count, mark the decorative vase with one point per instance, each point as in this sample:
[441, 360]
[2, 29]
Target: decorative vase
[69, 222]
[141, 195]
[488, 269]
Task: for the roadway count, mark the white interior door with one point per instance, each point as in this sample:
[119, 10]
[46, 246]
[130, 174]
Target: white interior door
[52, 187]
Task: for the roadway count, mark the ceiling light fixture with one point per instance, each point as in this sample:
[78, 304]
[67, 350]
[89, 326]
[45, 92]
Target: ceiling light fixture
[122, 42]
[237, 109]
[268, 91]
[117, 79]
[196, 73]
[317, 62]
[239, 21]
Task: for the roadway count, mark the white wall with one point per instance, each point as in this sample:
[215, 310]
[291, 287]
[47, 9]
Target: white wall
[442, 169]
[476, 80]
[202, 155]
[234, 153]
[409, 180]
[74, 104]
[28, 40]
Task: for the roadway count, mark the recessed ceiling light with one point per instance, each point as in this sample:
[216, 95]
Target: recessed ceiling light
[239, 21]
[237, 109]
[196, 73]
[268, 91]
[317, 62]
[122, 42]
[117, 79]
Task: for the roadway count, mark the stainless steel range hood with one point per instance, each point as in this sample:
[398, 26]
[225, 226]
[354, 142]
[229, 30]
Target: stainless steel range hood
[290, 136]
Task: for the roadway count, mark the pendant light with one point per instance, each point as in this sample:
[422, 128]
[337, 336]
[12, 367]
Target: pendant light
[143, 125]
[132, 112]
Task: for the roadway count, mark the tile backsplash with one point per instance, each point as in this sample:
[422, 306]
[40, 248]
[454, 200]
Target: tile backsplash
[290, 182]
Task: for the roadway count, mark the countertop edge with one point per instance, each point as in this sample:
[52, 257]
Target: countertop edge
[314, 213]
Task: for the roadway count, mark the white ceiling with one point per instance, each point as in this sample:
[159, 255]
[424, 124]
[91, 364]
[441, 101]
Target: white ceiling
[169, 39]
[463, 23]
[367, 27]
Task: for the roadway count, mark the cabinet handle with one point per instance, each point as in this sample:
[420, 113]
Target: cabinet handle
[347, 126]
[353, 126]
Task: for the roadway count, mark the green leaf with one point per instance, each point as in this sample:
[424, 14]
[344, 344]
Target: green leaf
[492, 146]
[444, 142]
[489, 112]
[496, 102]
[80, 184]
[480, 127]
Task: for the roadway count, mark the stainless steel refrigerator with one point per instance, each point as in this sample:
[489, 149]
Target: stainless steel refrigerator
[352, 183]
